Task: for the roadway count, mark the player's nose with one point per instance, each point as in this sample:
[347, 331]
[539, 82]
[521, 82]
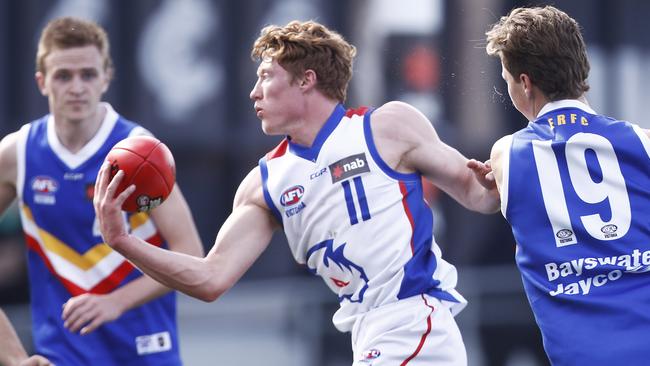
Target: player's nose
[256, 92]
[77, 85]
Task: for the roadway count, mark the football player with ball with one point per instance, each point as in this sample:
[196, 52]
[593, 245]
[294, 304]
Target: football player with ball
[90, 306]
[345, 187]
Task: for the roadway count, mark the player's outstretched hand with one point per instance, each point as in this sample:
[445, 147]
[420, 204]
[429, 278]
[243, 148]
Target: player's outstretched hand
[36, 360]
[85, 313]
[108, 205]
[483, 173]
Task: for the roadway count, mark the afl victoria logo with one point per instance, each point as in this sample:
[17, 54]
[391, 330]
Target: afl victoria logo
[609, 229]
[291, 196]
[564, 233]
[371, 354]
[44, 184]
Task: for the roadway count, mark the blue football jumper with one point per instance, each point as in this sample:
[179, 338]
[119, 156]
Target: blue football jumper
[67, 257]
[577, 194]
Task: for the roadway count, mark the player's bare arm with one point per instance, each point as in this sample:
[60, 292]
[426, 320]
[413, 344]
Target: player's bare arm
[496, 158]
[241, 240]
[491, 171]
[407, 141]
[243, 237]
[8, 173]
[13, 352]
[86, 312]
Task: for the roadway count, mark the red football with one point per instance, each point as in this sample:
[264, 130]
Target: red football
[149, 165]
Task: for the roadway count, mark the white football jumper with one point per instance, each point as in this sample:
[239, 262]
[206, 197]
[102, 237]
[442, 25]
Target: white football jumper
[352, 220]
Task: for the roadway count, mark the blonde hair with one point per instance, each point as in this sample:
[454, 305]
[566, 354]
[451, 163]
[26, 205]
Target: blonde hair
[546, 44]
[301, 46]
[69, 32]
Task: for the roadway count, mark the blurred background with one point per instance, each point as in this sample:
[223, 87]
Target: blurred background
[183, 71]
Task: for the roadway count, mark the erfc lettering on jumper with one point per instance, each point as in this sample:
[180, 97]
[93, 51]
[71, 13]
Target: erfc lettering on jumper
[566, 119]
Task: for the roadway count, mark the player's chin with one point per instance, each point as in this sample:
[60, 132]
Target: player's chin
[269, 129]
[77, 113]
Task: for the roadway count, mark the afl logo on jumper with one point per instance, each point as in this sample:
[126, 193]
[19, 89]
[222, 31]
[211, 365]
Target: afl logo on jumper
[348, 167]
[44, 188]
[290, 200]
[371, 354]
[291, 196]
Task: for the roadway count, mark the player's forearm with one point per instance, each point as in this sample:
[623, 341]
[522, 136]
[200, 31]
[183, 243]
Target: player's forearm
[138, 292]
[188, 274]
[11, 350]
[481, 200]
[478, 198]
[487, 202]
[11, 355]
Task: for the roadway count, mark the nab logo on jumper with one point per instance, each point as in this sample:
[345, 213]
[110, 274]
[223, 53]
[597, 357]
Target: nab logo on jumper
[348, 167]
[348, 279]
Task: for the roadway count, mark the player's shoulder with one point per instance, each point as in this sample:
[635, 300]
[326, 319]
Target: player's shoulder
[499, 149]
[8, 155]
[8, 144]
[250, 189]
[401, 121]
[121, 125]
[394, 109]
[501, 144]
[398, 114]
[128, 127]
[646, 132]
[137, 130]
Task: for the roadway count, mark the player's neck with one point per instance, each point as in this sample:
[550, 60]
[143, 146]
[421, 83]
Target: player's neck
[317, 113]
[75, 134]
[537, 109]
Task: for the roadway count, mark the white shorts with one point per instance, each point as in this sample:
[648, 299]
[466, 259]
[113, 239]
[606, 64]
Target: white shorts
[416, 331]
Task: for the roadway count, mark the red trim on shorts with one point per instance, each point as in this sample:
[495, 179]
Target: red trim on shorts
[424, 336]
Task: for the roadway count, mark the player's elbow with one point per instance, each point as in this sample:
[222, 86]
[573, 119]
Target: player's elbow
[494, 207]
[212, 289]
[207, 296]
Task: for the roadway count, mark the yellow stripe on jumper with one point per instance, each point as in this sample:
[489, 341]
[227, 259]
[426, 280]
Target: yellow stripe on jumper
[84, 261]
[138, 219]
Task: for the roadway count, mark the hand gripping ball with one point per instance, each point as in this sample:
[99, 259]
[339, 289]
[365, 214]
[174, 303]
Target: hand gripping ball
[149, 165]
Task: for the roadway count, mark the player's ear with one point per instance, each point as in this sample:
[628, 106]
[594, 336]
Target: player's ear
[309, 79]
[40, 82]
[107, 80]
[526, 83]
